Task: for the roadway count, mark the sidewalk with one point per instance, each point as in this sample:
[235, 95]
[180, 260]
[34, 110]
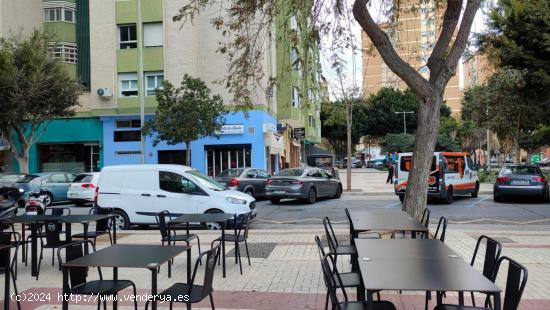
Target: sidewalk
[285, 271]
[372, 182]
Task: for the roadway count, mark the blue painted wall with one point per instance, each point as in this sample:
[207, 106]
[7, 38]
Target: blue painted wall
[198, 159]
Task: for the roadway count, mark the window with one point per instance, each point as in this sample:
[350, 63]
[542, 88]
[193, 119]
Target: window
[154, 80]
[152, 34]
[263, 175]
[57, 178]
[296, 101]
[128, 84]
[175, 183]
[66, 52]
[128, 123]
[127, 135]
[294, 61]
[311, 121]
[251, 174]
[57, 14]
[310, 95]
[293, 23]
[127, 36]
[127, 153]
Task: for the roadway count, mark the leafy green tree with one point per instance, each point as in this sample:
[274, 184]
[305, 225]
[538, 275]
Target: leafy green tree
[34, 88]
[399, 142]
[333, 125]
[185, 114]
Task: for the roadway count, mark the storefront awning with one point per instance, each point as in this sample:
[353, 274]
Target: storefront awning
[275, 143]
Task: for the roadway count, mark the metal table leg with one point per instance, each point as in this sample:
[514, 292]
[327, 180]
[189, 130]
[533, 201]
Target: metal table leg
[154, 288]
[370, 302]
[34, 246]
[7, 274]
[497, 301]
[65, 289]
[189, 265]
[223, 249]
[115, 278]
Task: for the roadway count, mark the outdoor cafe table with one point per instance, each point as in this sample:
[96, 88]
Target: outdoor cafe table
[417, 265]
[36, 220]
[220, 218]
[385, 220]
[126, 256]
[7, 263]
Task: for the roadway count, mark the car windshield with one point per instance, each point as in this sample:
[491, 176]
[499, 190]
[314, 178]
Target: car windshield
[26, 178]
[12, 178]
[206, 180]
[291, 172]
[519, 170]
[83, 178]
[231, 173]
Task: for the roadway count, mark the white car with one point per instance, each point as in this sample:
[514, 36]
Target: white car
[82, 189]
[154, 188]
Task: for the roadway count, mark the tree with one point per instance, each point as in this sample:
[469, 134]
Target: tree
[400, 142]
[34, 88]
[333, 125]
[185, 114]
[248, 24]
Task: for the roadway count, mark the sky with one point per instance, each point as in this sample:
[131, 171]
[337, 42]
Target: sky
[352, 68]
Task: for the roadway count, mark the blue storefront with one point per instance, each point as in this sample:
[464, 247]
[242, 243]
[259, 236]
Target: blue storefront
[244, 142]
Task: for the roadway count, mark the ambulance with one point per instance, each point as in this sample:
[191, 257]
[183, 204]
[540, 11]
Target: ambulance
[451, 174]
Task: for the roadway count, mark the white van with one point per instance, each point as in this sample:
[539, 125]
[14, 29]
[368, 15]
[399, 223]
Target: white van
[153, 188]
[451, 174]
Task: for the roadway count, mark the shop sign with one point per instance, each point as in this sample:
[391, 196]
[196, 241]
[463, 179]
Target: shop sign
[299, 133]
[269, 127]
[231, 130]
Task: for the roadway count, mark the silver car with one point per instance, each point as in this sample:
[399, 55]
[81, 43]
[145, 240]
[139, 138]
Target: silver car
[250, 181]
[521, 180]
[303, 183]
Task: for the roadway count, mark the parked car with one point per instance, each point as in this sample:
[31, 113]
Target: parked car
[544, 163]
[521, 180]
[8, 179]
[299, 183]
[154, 188]
[250, 181]
[377, 163]
[53, 185]
[355, 163]
[82, 189]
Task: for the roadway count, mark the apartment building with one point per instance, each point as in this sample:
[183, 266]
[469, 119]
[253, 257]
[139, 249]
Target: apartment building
[100, 42]
[413, 33]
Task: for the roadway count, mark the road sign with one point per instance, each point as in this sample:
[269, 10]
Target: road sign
[300, 133]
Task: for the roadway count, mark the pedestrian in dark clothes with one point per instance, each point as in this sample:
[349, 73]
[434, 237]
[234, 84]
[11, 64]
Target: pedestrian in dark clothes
[390, 172]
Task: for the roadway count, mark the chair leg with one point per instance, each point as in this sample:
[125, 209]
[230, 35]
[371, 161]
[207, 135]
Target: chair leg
[239, 257]
[15, 288]
[199, 247]
[171, 304]
[247, 253]
[135, 297]
[147, 305]
[53, 257]
[428, 297]
[378, 295]
[105, 304]
[473, 299]
[99, 304]
[110, 238]
[326, 301]
[212, 301]
[39, 263]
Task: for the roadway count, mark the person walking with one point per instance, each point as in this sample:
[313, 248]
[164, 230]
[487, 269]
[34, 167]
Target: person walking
[390, 172]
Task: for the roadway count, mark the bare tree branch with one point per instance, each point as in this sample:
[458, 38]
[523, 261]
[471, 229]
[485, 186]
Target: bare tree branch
[383, 44]
[450, 20]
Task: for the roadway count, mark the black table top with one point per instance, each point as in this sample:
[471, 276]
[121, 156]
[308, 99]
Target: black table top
[203, 217]
[64, 218]
[385, 220]
[129, 256]
[403, 249]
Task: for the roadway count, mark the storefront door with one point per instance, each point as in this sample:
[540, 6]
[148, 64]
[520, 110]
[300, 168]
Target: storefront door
[69, 157]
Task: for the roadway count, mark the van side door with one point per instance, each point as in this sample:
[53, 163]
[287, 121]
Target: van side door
[138, 194]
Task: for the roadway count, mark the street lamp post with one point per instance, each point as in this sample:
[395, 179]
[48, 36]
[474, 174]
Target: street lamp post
[405, 119]
[141, 79]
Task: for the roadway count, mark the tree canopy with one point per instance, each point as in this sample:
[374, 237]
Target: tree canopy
[185, 114]
[34, 88]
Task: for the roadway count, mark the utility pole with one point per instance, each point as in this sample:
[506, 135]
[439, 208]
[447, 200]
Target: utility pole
[488, 158]
[141, 79]
[405, 119]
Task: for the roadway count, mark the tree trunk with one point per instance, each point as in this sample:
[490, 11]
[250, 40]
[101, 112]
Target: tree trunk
[348, 121]
[23, 161]
[188, 153]
[517, 149]
[529, 154]
[424, 145]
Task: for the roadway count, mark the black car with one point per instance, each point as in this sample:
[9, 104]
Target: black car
[251, 181]
[521, 180]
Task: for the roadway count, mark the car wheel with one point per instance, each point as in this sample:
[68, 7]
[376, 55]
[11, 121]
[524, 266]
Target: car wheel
[121, 220]
[249, 192]
[476, 191]
[546, 197]
[48, 199]
[311, 195]
[338, 192]
[275, 200]
[449, 197]
[212, 225]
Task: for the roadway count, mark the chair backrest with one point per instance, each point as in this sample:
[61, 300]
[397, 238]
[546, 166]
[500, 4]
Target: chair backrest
[441, 229]
[320, 247]
[331, 236]
[100, 225]
[241, 222]
[53, 231]
[163, 225]
[350, 225]
[425, 217]
[77, 275]
[492, 254]
[209, 267]
[516, 280]
[330, 282]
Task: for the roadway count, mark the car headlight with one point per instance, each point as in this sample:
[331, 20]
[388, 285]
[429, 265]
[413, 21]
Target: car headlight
[236, 201]
[21, 190]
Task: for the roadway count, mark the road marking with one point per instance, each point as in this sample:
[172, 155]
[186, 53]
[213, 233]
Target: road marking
[474, 204]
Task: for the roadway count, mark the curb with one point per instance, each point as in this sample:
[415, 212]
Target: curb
[379, 193]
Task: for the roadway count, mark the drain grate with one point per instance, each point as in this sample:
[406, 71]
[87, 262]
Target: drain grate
[504, 240]
[256, 250]
[343, 239]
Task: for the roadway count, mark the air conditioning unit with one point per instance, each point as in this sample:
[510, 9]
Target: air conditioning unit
[104, 92]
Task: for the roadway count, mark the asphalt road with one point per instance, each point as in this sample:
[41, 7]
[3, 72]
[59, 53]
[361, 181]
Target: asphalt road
[516, 214]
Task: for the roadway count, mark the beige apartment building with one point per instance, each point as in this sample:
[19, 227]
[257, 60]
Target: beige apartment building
[413, 34]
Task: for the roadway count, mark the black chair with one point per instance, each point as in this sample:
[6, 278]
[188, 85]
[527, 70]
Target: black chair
[77, 275]
[425, 220]
[101, 229]
[15, 242]
[53, 241]
[492, 254]
[241, 222]
[362, 235]
[6, 239]
[169, 236]
[55, 211]
[516, 280]
[441, 229]
[332, 286]
[346, 279]
[334, 247]
[195, 293]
